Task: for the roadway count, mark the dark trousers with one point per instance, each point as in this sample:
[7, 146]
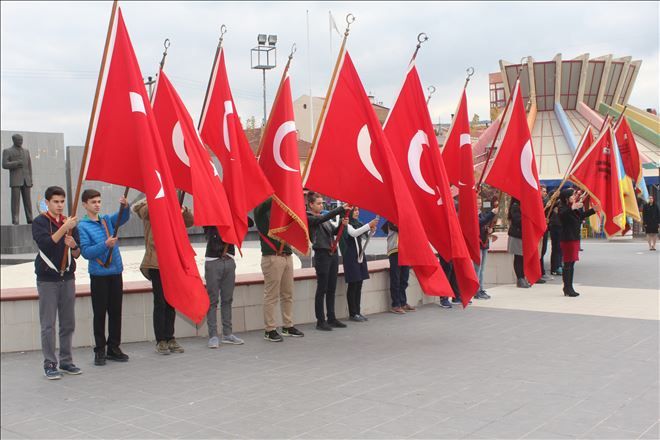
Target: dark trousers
[107, 292]
[555, 252]
[518, 266]
[544, 248]
[16, 193]
[354, 297]
[450, 273]
[398, 281]
[164, 314]
[326, 266]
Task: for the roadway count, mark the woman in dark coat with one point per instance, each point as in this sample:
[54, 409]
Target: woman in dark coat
[352, 245]
[514, 244]
[651, 217]
[571, 216]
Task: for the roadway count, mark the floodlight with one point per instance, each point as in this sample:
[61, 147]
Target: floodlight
[272, 40]
[261, 39]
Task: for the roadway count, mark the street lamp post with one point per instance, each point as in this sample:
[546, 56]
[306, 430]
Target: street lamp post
[264, 57]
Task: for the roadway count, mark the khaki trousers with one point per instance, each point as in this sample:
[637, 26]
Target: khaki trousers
[278, 285]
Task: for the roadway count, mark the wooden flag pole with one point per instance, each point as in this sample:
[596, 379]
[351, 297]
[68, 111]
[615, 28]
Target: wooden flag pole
[350, 18]
[492, 145]
[83, 163]
[277, 95]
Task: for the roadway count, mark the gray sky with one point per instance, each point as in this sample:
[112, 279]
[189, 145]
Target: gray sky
[51, 51]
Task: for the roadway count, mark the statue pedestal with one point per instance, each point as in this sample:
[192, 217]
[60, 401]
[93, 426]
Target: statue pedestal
[16, 239]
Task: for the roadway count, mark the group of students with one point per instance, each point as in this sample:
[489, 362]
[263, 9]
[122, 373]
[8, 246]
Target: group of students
[62, 240]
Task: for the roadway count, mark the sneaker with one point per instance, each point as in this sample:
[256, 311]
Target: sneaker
[174, 346]
[364, 318]
[398, 310]
[444, 303]
[484, 295]
[479, 295]
[356, 318]
[99, 358]
[51, 373]
[70, 369]
[162, 348]
[232, 339]
[409, 308]
[273, 336]
[292, 332]
[336, 323]
[456, 300]
[115, 354]
[214, 342]
[547, 277]
[323, 326]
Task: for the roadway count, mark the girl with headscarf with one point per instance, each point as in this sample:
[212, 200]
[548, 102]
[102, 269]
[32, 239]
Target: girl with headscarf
[571, 216]
[651, 218]
[352, 247]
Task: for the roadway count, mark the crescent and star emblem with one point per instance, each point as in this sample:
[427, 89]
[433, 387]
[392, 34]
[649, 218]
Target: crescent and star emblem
[364, 152]
[283, 130]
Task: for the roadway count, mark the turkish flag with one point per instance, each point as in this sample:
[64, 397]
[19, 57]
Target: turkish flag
[221, 130]
[585, 143]
[628, 149]
[410, 133]
[353, 161]
[280, 162]
[125, 149]
[597, 174]
[457, 154]
[190, 163]
[514, 172]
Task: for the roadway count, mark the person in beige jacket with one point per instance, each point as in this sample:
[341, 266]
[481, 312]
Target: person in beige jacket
[164, 314]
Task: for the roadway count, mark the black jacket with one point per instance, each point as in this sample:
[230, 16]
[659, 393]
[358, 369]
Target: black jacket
[484, 222]
[515, 218]
[571, 222]
[651, 216]
[215, 246]
[42, 230]
[321, 231]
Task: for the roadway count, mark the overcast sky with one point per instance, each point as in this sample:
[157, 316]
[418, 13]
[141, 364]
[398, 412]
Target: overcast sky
[51, 51]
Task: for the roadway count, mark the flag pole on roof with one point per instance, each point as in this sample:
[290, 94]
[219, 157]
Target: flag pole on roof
[223, 31]
[499, 128]
[277, 94]
[350, 18]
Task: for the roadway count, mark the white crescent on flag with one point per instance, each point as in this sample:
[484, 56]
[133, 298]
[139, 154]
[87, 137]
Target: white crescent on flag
[284, 129]
[415, 150]
[364, 151]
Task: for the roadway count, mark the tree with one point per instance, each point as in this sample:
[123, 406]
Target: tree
[475, 120]
[251, 123]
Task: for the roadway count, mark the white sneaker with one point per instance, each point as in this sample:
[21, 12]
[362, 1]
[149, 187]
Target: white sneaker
[232, 339]
[547, 278]
[214, 342]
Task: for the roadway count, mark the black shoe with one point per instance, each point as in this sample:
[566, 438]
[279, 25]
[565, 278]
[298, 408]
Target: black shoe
[540, 281]
[572, 293]
[323, 326]
[335, 323]
[99, 358]
[456, 300]
[115, 354]
[292, 331]
[273, 336]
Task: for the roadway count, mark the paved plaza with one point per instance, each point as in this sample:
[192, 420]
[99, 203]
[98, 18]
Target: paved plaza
[527, 364]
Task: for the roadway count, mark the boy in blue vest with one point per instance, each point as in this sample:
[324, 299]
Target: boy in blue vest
[99, 246]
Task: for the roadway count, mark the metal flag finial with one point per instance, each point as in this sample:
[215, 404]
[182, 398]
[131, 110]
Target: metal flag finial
[350, 18]
[166, 45]
[223, 31]
[293, 50]
[431, 90]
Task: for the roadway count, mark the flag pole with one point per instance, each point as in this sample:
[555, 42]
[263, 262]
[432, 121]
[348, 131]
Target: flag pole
[421, 38]
[277, 95]
[470, 72]
[166, 44]
[350, 18]
[492, 145]
[83, 163]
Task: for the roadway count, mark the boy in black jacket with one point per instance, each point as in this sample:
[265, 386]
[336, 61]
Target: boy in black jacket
[55, 268]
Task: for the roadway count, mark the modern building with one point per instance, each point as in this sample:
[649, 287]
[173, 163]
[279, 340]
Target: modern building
[563, 97]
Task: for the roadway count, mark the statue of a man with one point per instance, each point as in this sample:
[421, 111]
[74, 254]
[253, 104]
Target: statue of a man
[16, 159]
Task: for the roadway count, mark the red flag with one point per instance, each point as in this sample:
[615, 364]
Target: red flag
[125, 149]
[597, 174]
[457, 154]
[352, 161]
[190, 163]
[514, 172]
[410, 133]
[281, 165]
[222, 131]
[628, 149]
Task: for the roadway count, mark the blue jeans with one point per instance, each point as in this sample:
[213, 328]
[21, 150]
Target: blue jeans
[398, 281]
[479, 269]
